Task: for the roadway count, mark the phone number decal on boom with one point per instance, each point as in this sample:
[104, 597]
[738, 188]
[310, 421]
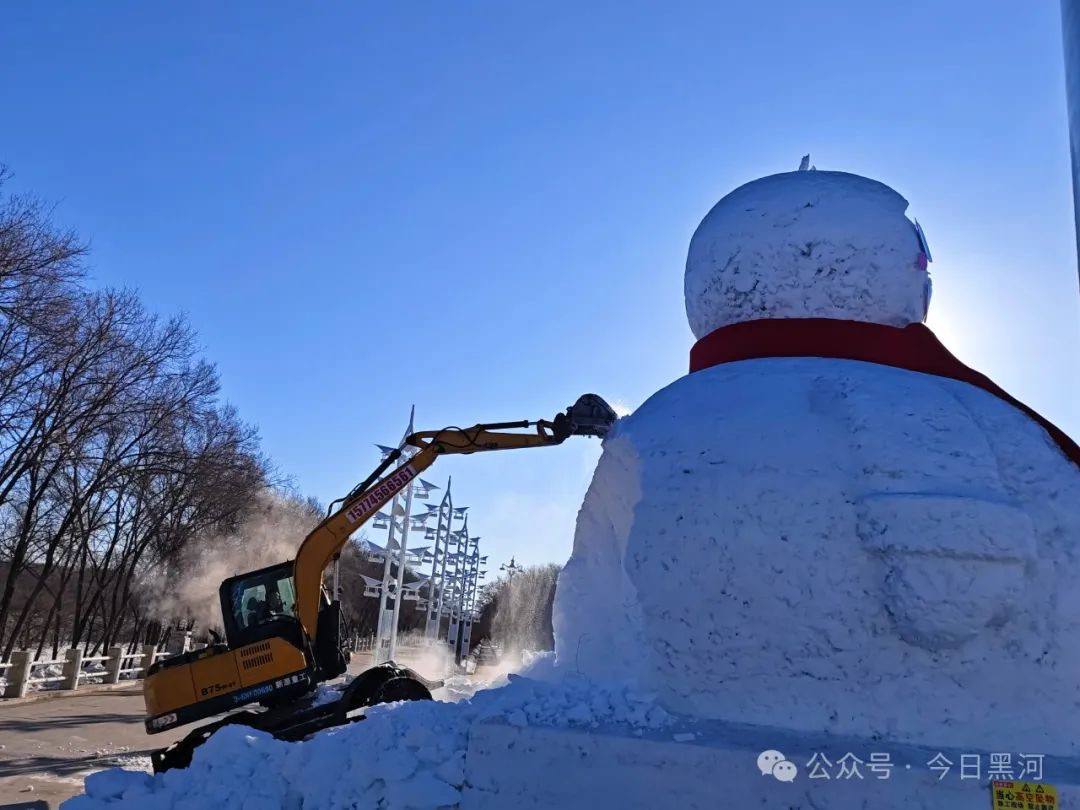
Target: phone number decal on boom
[394, 482]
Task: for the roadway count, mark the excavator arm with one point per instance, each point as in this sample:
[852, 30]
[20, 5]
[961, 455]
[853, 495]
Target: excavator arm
[589, 416]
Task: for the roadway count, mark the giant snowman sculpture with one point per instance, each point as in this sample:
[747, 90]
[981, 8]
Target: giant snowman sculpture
[830, 524]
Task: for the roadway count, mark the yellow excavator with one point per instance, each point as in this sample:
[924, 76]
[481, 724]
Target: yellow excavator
[282, 631]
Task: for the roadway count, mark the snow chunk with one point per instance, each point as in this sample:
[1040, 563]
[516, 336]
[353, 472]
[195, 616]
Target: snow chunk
[114, 783]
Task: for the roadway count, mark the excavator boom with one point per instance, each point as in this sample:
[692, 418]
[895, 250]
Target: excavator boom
[589, 416]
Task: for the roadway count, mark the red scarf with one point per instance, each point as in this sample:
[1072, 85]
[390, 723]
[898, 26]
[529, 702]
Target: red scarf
[913, 347]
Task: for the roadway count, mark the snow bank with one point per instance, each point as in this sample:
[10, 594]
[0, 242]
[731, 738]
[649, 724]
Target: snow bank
[806, 245]
[405, 755]
[831, 545]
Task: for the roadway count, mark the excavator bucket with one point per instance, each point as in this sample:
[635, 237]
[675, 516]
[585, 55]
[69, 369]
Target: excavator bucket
[590, 416]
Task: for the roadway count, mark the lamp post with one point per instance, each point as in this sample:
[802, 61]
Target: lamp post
[510, 569]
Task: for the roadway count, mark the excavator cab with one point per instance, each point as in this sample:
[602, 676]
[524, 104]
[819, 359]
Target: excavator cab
[261, 605]
[256, 604]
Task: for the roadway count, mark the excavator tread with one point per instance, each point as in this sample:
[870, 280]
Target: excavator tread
[385, 683]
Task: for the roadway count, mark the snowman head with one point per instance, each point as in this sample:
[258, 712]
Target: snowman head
[807, 244]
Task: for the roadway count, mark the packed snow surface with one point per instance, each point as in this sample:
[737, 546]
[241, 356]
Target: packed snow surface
[829, 545]
[806, 245]
[404, 755]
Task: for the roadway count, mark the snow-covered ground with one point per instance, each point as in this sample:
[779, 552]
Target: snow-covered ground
[405, 755]
[553, 739]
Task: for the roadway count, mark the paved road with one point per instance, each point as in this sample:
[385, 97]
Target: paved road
[48, 746]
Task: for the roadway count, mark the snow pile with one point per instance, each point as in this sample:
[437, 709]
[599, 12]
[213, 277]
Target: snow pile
[405, 755]
[806, 245]
[833, 545]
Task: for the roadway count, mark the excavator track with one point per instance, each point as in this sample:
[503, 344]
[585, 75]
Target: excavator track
[386, 683]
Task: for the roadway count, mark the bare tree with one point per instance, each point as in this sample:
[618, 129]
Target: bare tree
[517, 612]
[115, 453]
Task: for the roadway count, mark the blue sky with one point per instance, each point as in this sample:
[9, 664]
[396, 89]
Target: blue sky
[484, 208]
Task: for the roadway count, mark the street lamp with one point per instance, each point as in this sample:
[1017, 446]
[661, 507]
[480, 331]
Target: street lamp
[510, 568]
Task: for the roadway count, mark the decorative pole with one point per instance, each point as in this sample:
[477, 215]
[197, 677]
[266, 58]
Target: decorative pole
[386, 629]
[444, 605]
[455, 595]
[474, 577]
[400, 581]
[437, 580]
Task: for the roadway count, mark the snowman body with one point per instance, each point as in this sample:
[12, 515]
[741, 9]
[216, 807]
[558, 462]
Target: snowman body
[790, 542]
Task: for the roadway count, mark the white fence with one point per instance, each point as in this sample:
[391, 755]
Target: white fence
[23, 672]
[405, 641]
[75, 668]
